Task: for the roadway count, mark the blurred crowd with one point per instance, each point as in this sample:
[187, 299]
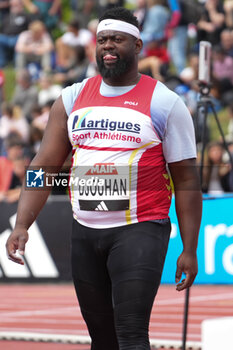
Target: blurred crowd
[47, 53]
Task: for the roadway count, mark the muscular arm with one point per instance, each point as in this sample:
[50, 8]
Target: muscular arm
[188, 202]
[53, 152]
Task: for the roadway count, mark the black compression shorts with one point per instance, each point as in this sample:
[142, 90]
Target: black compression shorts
[116, 273]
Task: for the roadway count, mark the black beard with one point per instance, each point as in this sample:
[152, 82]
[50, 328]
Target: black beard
[120, 68]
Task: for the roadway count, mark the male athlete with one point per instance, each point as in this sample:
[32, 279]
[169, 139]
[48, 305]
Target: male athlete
[126, 131]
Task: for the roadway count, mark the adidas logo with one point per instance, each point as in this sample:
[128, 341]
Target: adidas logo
[102, 206]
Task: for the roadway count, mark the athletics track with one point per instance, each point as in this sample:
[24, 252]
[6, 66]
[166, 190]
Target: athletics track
[48, 312]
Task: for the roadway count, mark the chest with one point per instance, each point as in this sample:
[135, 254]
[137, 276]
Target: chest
[105, 126]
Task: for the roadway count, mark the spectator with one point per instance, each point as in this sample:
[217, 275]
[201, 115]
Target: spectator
[215, 170]
[47, 11]
[228, 8]
[12, 121]
[13, 146]
[155, 41]
[140, 12]
[154, 28]
[189, 88]
[151, 65]
[12, 168]
[40, 116]
[47, 90]
[229, 135]
[25, 94]
[4, 9]
[76, 35]
[78, 70]
[66, 44]
[104, 5]
[222, 68]
[92, 27]
[2, 81]
[177, 36]
[226, 41]
[40, 121]
[182, 14]
[186, 84]
[228, 178]
[6, 169]
[36, 134]
[12, 25]
[85, 12]
[212, 22]
[189, 75]
[34, 45]
[17, 179]
[90, 48]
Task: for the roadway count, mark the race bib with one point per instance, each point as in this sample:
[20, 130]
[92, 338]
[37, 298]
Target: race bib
[101, 187]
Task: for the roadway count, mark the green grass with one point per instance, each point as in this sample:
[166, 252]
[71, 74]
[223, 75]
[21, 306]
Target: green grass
[9, 84]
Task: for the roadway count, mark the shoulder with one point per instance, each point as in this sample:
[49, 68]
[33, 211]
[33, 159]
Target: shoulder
[164, 104]
[71, 93]
[163, 97]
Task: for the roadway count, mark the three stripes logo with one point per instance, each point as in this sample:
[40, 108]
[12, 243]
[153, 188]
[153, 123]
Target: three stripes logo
[101, 207]
[112, 194]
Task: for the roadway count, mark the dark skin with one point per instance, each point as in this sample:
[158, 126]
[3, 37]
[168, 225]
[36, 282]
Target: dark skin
[56, 147]
[188, 201]
[54, 150]
[122, 44]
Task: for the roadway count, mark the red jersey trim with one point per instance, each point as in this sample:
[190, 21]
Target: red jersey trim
[116, 149]
[138, 98]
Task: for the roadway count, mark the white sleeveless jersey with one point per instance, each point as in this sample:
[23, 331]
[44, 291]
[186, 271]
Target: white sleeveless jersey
[118, 174]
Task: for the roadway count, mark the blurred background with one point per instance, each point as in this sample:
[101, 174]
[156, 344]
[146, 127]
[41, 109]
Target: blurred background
[48, 45]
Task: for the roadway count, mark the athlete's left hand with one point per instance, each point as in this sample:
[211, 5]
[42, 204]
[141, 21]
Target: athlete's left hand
[187, 264]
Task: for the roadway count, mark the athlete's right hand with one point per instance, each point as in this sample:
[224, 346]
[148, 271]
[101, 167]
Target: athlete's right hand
[16, 242]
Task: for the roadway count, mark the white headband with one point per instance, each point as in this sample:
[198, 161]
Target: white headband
[120, 26]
